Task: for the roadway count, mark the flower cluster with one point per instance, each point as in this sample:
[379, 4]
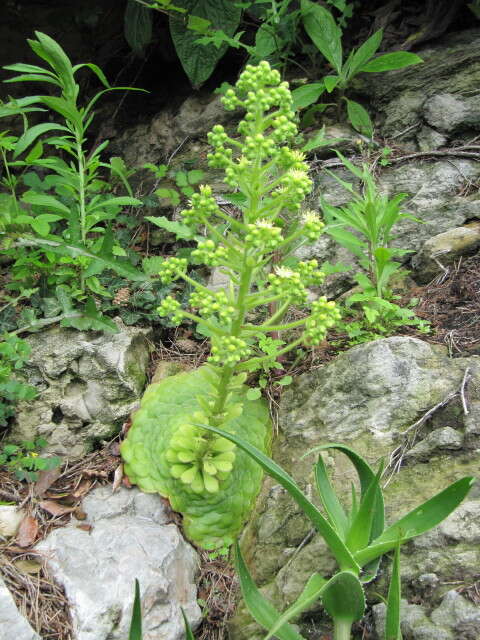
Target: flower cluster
[228, 350]
[209, 253]
[324, 314]
[198, 462]
[263, 235]
[295, 185]
[212, 304]
[288, 283]
[171, 307]
[172, 269]
[222, 155]
[312, 225]
[203, 206]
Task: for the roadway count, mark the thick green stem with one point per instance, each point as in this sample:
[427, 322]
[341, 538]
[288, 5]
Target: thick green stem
[342, 630]
[81, 195]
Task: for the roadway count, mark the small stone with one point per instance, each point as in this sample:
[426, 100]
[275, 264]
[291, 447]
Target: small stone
[449, 113]
[436, 442]
[10, 519]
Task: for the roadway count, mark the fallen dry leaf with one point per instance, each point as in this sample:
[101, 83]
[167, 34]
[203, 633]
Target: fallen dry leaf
[28, 566]
[85, 527]
[82, 489]
[45, 481]
[117, 478]
[27, 532]
[126, 482]
[55, 508]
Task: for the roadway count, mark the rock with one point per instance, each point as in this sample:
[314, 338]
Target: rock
[12, 623]
[88, 382]
[449, 113]
[439, 440]
[443, 249]
[429, 139]
[10, 519]
[366, 398]
[130, 538]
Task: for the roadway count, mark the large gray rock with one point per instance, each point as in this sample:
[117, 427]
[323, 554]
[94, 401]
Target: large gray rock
[88, 383]
[366, 398]
[12, 624]
[130, 538]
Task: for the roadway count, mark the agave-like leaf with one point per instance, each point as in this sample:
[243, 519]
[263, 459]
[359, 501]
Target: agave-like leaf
[392, 622]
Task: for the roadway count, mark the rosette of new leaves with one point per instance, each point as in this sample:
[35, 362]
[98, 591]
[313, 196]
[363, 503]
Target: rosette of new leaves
[165, 428]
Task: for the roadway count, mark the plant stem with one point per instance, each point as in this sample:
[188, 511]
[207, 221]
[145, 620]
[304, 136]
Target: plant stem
[341, 630]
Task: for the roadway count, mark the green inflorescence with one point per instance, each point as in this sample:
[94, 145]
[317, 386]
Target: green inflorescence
[209, 480]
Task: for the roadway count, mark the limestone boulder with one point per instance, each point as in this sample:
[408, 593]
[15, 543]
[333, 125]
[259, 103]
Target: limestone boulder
[131, 537]
[88, 384]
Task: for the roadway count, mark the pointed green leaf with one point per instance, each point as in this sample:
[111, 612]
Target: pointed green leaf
[307, 95]
[331, 503]
[337, 547]
[96, 70]
[137, 27]
[359, 118]
[360, 531]
[188, 629]
[390, 61]
[259, 607]
[331, 82]
[343, 598]
[32, 133]
[360, 56]
[324, 32]
[136, 623]
[422, 519]
[179, 229]
[392, 622]
[121, 201]
[43, 200]
[310, 594]
[56, 57]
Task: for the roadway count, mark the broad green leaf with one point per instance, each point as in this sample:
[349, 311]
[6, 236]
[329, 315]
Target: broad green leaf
[135, 632]
[324, 32]
[361, 55]
[337, 547]
[307, 95]
[137, 27]
[319, 140]
[331, 504]
[152, 265]
[259, 607]
[43, 200]
[254, 393]
[422, 519]
[188, 630]
[392, 622]
[32, 133]
[390, 61]
[359, 118]
[266, 41]
[311, 592]
[343, 598]
[179, 229]
[331, 82]
[195, 175]
[65, 108]
[198, 60]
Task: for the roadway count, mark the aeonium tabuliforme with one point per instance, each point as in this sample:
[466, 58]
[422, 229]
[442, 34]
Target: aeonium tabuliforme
[206, 477]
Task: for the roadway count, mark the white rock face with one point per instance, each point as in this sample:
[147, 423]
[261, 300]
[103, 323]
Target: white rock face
[13, 626]
[130, 538]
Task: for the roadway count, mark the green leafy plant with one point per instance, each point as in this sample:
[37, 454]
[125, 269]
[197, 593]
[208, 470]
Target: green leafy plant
[199, 474]
[25, 461]
[72, 198]
[357, 538]
[14, 353]
[184, 182]
[326, 34]
[364, 226]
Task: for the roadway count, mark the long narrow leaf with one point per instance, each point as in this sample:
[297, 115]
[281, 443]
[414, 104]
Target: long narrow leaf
[310, 594]
[337, 547]
[32, 133]
[418, 521]
[188, 630]
[363, 54]
[136, 623]
[392, 622]
[56, 57]
[361, 526]
[335, 512]
[259, 607]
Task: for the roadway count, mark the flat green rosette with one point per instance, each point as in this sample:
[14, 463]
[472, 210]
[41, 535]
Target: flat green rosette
[205, 477]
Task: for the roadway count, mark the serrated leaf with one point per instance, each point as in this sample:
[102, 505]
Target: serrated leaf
[198, 60]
